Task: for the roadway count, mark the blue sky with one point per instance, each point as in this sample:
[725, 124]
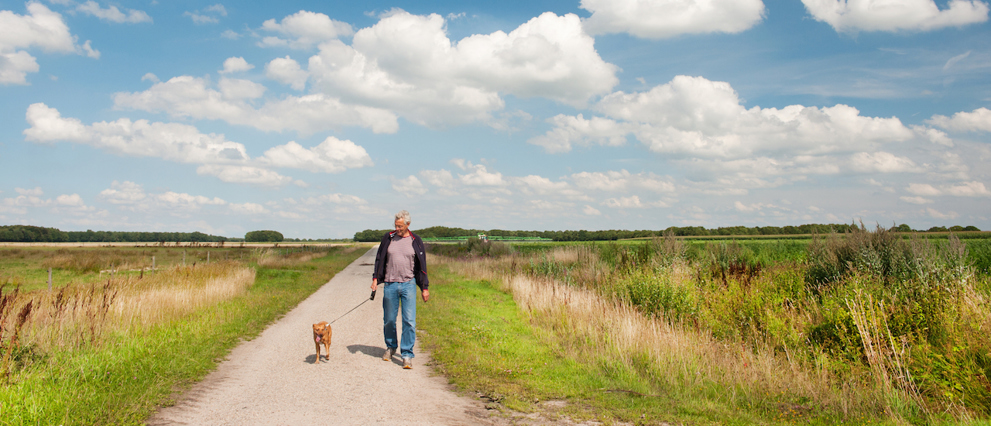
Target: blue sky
[320, 119]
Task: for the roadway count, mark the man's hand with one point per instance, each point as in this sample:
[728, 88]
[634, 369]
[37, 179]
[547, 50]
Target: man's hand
[375, 284]
[426, 294]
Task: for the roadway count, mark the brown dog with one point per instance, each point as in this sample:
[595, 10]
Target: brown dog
[321, 334]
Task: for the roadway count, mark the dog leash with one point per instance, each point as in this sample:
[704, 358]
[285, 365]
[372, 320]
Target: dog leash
[356, 307]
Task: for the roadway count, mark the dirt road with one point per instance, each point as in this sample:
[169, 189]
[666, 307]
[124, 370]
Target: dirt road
[274, 380]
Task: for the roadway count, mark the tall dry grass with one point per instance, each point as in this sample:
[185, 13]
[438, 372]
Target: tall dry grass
[79, 315]
[682, 358]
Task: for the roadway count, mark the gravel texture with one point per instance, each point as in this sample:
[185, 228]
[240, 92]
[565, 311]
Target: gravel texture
[275, 379]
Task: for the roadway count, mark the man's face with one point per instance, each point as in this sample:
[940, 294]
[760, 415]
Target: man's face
[401, 226]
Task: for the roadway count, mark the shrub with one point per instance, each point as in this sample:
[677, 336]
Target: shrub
[263, 237]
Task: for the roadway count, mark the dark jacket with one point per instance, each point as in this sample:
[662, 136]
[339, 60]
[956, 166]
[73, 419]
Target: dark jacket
[419, 260]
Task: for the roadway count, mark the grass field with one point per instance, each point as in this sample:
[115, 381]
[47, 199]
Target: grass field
[111, 350]
[870, 328]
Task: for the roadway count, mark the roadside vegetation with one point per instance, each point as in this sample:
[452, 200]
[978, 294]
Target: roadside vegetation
[110, 348]
[854, 328]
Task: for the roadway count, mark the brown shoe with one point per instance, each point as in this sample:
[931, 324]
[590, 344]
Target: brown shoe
[387, 356]
[408, 363]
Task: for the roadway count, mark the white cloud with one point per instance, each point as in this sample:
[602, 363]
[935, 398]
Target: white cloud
[962, 189]
[621, 181]
[881, 162]
[409, 186]
[193, 97]
[916, 200]
[591, 211]
[940, 215]
[697, 117]
[923, 189]
[237, 89]
[287, 71]
[852, 16]
[183, 143]
[150, 77]
[230, 34]
[631, 202]
[113, 14]
[952, 61]
[480, 176]
[171, 141]
[408, 64]
[123, 193]
[36, 192]
[235, 64]
[978, 120]
[968, 189]
[303, 30]
[439, 178]
[331, 156]
[568, 130]
[669, 18]
[187, 201]
[40, 28]
[217, 8]
[244, 174]
[248, 208]
[209, 15]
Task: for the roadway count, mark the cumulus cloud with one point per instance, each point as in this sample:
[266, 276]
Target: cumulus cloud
[569, 130]
[851, 16]
[622, 181]
[978, 120]
[235, 64]
[881, 162]
[125, 192]
[171, 141]
[591, 211]
[248, 208]
[408, 64]
[303, 30]
[409, 186]
[669, 18]
[287, 71]
[194, 97]
[961, 189]
[224, 159]
[244, 174]
[331, 156]
[916, 200]
[693, 116]
[40, 28]
[113, 14]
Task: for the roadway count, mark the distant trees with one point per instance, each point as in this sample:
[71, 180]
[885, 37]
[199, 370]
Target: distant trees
[37, 234]
[265, 236]
[371, 235]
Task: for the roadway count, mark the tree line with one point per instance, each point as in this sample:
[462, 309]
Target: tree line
[38, 234]
[373, 235]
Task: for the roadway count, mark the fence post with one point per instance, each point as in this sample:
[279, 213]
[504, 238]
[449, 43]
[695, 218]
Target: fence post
[153, 263]
[207, 256]
[49, 279]
[184, 258]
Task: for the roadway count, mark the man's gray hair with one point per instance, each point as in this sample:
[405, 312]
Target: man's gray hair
[404, 215]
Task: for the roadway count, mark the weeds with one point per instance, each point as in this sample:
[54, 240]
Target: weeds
[865, 325]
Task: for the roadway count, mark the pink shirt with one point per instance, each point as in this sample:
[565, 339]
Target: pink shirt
[399, 264]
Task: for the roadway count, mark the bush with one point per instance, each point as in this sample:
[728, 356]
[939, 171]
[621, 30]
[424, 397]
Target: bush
[263, 237]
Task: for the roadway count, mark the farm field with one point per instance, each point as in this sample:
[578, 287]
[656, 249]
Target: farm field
[862, 328]
[111, 348]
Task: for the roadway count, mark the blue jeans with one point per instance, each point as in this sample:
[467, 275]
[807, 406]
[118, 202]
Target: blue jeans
[394, 296]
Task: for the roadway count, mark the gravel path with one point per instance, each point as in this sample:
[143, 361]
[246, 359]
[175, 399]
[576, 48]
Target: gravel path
[273, 379]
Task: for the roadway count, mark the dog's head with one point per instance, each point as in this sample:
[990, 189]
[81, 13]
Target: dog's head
[319, 329]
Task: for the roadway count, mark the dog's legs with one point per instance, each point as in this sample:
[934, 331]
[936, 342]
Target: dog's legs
[317, 361]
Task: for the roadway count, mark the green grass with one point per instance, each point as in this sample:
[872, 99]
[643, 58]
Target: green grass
[28, 266]
[123, 380]
[483, 343]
